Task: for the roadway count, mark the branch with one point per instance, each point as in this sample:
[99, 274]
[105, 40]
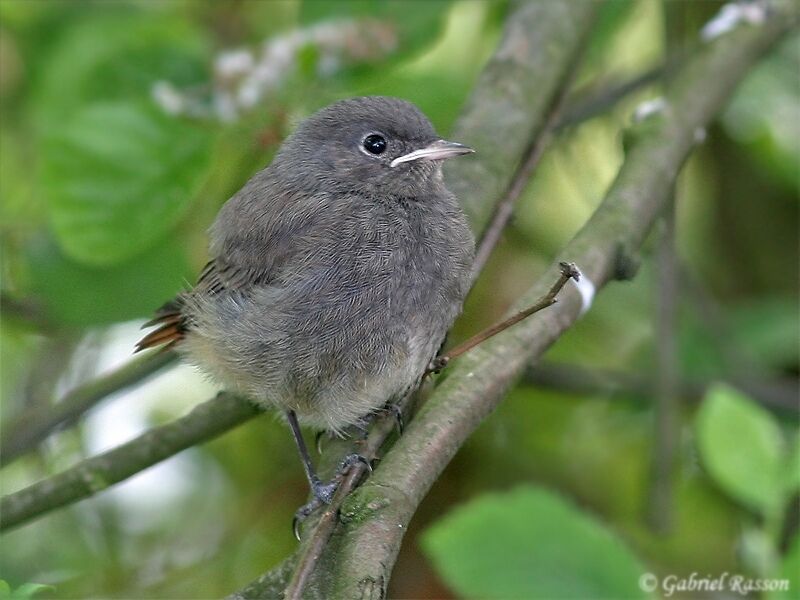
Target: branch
[99, 472]
[313, 545]
[776, 395]
[27, 312]
[587, 104]
[667, 375]
[515, 98]
[543, 127]
[375, 516]
[509, 116]
[568, 272]
[27, 430]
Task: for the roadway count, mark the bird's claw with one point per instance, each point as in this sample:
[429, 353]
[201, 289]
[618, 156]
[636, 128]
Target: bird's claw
[323, 492]
[437, 364]
[302, 514]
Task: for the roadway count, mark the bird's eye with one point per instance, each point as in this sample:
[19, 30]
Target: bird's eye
[375, 144]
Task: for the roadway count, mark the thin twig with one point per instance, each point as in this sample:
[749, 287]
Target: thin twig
[540, 140]
[26, 311]
[776, 395]
[94, 474]
[666, 414]
[568, 271]
[27, 430]
[505, 207]
[585, 105]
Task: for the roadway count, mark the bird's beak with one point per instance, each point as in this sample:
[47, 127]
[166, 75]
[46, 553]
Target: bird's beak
[438, 150]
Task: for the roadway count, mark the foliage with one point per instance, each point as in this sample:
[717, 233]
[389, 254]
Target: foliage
[742, 448]
[530, 543]
[24, 592]
[108, 186]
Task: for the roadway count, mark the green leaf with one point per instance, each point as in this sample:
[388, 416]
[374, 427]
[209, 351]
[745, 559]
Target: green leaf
[741, 447]
[767, 330]
[118, 176]
[117, 54]
[530, 543]
[77, 295]
[5, 589]
[763, 113]
[30, 590]
[789, 571]
[792, 474]
[436, 95]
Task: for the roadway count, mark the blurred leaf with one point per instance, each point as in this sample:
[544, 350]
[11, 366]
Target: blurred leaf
[23, 592]
[741, 447]
[790, 570]
[77, 295]
[764, 330]
[530, 543]
[117, 54]
[30, 590]
[699, 348]
[20, 205]
[611, 18]
[118, 176]
[415, 25]
[764, 114]
[792, 475]
[439, 97]
[767, 330]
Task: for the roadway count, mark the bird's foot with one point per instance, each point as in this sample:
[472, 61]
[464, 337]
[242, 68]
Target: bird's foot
[437, 364]
[397, 413]
[322, 493]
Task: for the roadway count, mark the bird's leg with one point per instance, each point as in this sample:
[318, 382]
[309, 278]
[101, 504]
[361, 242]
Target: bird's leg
[322, 492]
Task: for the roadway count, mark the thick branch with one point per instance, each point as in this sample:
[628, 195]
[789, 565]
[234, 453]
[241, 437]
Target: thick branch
[23, 433]
[99, 472]
[513, 98]
[778, 395]
[375, 516]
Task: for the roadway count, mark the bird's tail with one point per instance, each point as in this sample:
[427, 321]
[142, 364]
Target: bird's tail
[170, 324]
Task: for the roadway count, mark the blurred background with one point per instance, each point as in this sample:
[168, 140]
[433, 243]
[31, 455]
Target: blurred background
[126, 125]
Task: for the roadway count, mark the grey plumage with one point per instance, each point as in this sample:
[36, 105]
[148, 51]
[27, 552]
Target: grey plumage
[334, 275]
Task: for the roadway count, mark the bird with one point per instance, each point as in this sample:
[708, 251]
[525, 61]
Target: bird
[335, 272]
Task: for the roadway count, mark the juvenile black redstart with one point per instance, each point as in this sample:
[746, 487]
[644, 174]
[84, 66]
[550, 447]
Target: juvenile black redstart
[336, 271]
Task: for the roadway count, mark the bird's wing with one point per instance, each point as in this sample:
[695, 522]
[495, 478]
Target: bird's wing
[217, 277]
[242, 226]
